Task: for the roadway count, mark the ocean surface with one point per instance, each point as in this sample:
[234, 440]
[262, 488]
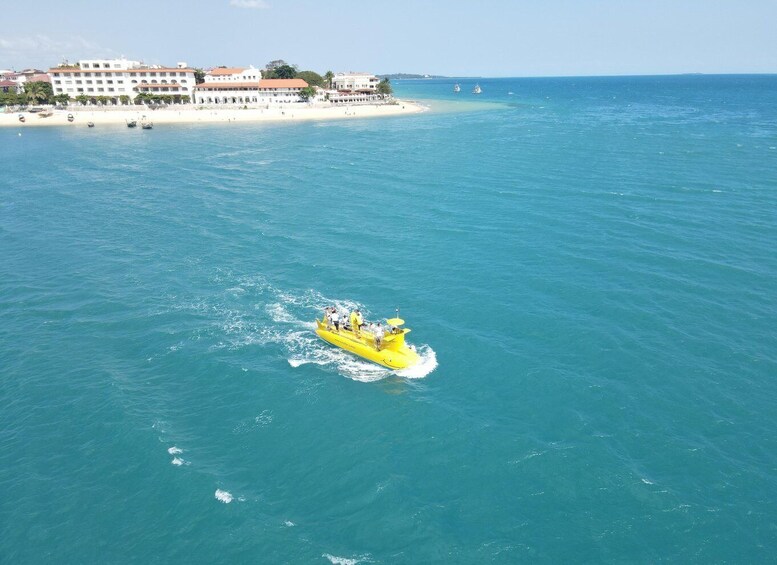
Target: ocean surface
[589, 268]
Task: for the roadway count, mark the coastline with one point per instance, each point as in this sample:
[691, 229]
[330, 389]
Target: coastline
[190, 114]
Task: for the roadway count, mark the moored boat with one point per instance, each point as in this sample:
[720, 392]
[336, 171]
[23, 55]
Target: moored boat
[477, 89]
[393, 352]
[132, 124]
[456, 88]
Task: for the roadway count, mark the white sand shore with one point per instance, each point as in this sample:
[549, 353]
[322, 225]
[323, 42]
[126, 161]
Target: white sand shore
[191, 114]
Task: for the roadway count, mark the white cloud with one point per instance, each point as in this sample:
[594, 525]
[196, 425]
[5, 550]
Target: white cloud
[43, 51]
[253, 4]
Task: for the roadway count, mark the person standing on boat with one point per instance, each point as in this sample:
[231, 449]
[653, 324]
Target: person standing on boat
[335, 317]
[356, 321]
[378, 333]
[328, 317]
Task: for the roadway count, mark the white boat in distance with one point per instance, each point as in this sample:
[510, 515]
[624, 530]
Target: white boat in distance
[456, 88]
[477, 89]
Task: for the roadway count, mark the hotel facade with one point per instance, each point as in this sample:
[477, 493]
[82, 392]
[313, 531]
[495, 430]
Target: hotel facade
[245, 86]
[115, 78]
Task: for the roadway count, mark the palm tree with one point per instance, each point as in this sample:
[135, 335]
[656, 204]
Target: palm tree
[34, 93]
[329, 75]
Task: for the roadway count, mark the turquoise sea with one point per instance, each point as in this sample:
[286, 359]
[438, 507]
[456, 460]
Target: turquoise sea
[589, 267]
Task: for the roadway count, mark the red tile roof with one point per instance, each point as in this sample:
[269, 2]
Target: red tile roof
[282, 83]
[226, 85]
[229, 71]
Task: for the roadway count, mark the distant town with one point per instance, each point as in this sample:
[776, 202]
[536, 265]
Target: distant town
[120, 82]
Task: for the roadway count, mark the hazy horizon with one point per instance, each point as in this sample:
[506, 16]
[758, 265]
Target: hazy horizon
[496, 38]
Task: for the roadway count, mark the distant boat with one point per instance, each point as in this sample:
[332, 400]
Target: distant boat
[147, 125]
[456, 88]
[132, 124]
[477, 89]
[70, 117]
[90, 124]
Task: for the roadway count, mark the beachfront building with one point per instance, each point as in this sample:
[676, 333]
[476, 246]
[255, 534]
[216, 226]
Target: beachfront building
[11, 86]
[236, 88]
[355, 88]
[355, 83]
[115, 78]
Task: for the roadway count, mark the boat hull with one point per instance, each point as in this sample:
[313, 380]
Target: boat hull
[394, 354]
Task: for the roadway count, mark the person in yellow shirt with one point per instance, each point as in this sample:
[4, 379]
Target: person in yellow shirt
[356, 321]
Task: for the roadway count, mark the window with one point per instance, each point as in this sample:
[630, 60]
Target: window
[79, 90]
[87, 82]
[107, 65]
[95, 65]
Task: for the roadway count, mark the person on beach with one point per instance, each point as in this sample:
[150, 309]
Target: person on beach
[378, 333]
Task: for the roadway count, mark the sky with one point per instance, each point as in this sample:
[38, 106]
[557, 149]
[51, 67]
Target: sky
[489, 38]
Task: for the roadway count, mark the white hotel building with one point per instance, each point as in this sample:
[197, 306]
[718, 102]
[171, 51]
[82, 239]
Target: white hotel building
[352, 83]
[120, 77]
[245, 86]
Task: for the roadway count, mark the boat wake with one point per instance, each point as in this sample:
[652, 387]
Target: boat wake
[253, 312]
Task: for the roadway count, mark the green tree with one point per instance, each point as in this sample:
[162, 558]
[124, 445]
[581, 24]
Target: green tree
[63, 99]
[284, 71]
[82, 99]
[307, 93]
[102, 100]
[10, 98]
[312, 78]
[384, 87]
[328, 76]
[38, 92]
[124, 99]
[199, 76]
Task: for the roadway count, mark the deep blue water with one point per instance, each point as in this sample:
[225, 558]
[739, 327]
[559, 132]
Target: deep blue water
[588, 266]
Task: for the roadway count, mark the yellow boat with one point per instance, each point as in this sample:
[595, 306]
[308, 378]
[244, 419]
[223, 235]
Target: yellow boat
[394, 353]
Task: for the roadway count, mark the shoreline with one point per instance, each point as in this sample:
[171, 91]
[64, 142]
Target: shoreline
[208, 115]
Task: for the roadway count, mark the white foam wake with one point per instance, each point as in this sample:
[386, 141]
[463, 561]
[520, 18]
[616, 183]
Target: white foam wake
[223, 496]
[335, 560]
[253, 312]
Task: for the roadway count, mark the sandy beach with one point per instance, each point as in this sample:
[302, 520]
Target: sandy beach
[190, 114]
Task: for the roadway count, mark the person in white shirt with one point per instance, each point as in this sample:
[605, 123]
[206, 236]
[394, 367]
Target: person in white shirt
[335, 319]
[378, 333]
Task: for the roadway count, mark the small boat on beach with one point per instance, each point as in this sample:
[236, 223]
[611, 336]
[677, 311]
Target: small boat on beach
[147, 125]
[45, 114]
[90, 124]
[456, 88]
[132, 123]
[22, 118]
[70, 117]
[393, 352]
[477, 89]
